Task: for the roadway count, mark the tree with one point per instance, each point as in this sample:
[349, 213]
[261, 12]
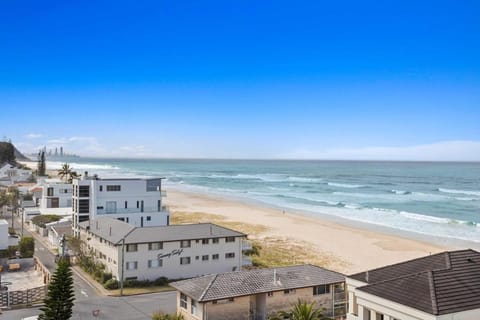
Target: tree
[42, 167]
[60, 297]
[7, 152]
[302, 310]
[26, 246]
[67, 173]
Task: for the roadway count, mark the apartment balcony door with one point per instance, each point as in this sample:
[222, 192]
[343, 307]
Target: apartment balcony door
[111, 207]
[141, 206]
[55, 202]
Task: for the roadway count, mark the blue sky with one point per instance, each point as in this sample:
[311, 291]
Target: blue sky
[243, 79]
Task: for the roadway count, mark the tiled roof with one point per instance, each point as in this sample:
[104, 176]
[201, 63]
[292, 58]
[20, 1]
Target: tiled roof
[114, 231]
[243, 283]
[439, 284]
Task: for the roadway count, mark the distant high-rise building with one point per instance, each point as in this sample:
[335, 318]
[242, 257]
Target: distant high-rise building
[61, 151]
[56, 151]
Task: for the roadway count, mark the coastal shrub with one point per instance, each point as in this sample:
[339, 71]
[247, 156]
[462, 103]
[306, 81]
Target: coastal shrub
[111, 284]
[26, 246]
[166, 316]
[43, 219]
[105, 276]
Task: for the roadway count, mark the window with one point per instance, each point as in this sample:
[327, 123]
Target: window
[159, 205]
[323, 289]
[229, 300]
[193, 307]
[229, 255]
[84, 191]
[155, 246]
[205, 241]
[50, 192]
[132, 265]
[121, 219]
[131, 278]
[185, 244]
[215, 256]
[230, 239]
[205, 257]
[114, 188]
[83, 206]
[289, 291]
[101, 188]
[131, 247]
[157, 263]
[185, 260]
[138, 204]
[215, 240]
[197, 257]
[270, 294]
[149, 218]
[126, 204]
[183, 301]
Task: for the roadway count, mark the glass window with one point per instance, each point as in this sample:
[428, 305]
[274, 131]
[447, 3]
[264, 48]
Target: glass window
[83, 206]
[229, 255]
[215, 256]
[155, 246]
[194, 307]
[131, 247]
[205, 257]
[289, 291]
[205, 241]
[230, 239]
[114, 188]
[132, 265]
[185, 260]
[84, 191]
[183, 301]
[323, 289]
[185, 244]
[215, 240]
[156, 263]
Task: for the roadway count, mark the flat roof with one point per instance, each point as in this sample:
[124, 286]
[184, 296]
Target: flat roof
[244, 283]
[438, 284]
[114, 230]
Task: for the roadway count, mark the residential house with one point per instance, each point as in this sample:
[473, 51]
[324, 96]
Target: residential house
[174, 251]
[135, 201]
[437, 287]
[256, 294]
[11, 174]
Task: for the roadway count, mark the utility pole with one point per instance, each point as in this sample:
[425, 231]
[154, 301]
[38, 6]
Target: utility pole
[123, 267]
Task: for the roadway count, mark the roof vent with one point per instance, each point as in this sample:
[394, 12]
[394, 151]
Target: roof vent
[471, 260]
[367, 276]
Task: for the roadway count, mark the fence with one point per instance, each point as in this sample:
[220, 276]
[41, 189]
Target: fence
[20, 298]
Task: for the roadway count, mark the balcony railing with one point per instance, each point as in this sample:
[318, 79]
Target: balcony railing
[131, 210]
[246, 261]
[246, 245]
[339, 297]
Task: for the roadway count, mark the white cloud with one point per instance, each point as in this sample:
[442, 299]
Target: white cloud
[439, 151]
[34, 135]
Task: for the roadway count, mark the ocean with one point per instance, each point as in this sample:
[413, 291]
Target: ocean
[429, 199]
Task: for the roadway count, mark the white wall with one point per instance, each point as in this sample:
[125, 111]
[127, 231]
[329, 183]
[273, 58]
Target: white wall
[3, 234]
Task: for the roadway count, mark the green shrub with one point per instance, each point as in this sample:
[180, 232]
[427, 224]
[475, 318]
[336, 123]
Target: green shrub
[43, 219]
[111, 284]
[166, 316]
[26, 246]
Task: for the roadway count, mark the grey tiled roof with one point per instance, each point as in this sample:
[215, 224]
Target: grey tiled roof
[243, 283]
[114, 230]
[440, 284]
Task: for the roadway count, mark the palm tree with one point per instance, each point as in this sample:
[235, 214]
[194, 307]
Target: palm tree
[67, 172]
[302, 310]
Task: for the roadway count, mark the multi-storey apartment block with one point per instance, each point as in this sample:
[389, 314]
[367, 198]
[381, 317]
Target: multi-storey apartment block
[134, 201]
[175, 251]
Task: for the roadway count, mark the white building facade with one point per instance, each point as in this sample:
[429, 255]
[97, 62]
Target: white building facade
[134, 201]
[4, 243]
[56, 194]
[174, 252]
[10, 174]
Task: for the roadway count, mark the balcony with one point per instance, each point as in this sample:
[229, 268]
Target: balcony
[246, 245]
[163, 209]
[246, 261]
[339, 297]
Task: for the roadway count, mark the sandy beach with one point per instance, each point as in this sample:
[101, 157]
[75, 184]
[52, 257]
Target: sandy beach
[346, 249]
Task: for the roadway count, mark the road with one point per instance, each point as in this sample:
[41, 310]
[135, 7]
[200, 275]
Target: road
[87, 299]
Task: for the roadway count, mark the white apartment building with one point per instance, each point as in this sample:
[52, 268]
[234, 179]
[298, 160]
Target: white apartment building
[10, 174]
[443, 286]
[134, 201]
[4, 243]
[174, 251]
[56, 193]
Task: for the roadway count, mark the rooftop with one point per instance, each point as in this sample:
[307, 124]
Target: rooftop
[114, 230]
[438, 284]
[244, 283]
